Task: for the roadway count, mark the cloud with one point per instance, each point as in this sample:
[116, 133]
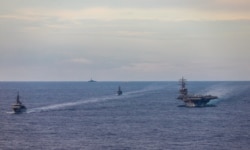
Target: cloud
[148, 67]
[233, 2]
[80, 61]
[112, 13]
[155, 37]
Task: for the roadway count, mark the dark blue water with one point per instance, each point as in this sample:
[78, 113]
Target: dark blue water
[81, 115]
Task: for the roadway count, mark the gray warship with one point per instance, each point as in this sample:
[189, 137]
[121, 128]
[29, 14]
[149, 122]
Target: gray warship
[193, 100]
[119, 92]
[91, 80]
[18, 107]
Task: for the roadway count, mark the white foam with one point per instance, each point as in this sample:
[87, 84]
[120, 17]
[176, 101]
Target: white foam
[10, 112]
[69, 104]
[93, 100]
[146, 89]
[222, 91]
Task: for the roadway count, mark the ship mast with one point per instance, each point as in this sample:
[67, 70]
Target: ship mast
[18, 99]
[183, 90]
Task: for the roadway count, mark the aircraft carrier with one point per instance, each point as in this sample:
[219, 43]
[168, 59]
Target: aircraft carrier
[193, 100]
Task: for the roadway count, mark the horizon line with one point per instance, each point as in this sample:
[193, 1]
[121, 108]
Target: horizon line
[123, 80]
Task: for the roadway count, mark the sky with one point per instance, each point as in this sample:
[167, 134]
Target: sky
[124, 40]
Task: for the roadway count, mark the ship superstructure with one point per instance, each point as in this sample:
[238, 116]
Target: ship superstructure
[193, 100]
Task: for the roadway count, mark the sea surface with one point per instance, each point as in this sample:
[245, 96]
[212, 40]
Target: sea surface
[90, 116]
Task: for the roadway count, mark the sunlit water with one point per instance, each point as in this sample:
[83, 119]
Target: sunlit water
[82, 115]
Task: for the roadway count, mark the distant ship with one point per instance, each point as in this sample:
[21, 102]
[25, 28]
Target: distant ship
[119, 92]
[91, 80]
[193, 100]
[18, 107]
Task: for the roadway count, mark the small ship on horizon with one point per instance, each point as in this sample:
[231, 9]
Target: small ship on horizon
[119, 92]
[91, 80]
[193, 100]
[18, 107]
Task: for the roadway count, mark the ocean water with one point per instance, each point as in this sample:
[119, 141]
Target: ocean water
[90, 116]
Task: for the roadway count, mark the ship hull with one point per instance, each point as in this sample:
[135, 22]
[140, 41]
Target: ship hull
[19, 109]
[119, 93]
[197, 101]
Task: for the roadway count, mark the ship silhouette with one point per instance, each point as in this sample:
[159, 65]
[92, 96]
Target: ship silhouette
[18, 107]
[193, 100]
[119, 92]
[91, 80]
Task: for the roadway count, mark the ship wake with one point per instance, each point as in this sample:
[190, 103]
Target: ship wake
[65, 105]
[222, 91]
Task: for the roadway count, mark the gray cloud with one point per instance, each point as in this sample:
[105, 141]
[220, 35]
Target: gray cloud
[43, 40]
